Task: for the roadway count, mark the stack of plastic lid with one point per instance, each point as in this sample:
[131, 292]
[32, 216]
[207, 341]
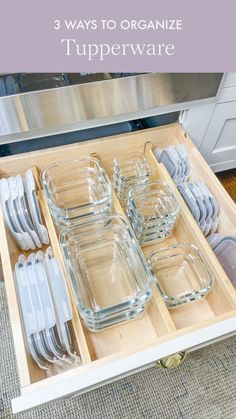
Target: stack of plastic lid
[225, 249]
[45, 310]
[109, 275]
[202, 204]
[129, 170]
[152, 210]
[77, 189]
[21, 211]
[176, 161]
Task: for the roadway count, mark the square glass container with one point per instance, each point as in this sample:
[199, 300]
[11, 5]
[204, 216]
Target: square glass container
[152, 210]
[129, 170]
[109, 274]
[77, 189]
[182, 274]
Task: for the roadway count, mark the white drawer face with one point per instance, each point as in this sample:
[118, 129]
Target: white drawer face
[227, 95]
[219, 144]
[230, 80]
[85, 379]
[158, 332]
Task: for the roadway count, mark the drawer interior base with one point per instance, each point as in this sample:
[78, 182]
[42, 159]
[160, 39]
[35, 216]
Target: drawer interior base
[157, 324]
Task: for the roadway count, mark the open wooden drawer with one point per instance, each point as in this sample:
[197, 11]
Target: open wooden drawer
[159, 332]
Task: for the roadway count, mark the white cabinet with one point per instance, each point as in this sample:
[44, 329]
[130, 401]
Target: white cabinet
[219, 144]
[230, 80]
[196, 120]
[213, 127]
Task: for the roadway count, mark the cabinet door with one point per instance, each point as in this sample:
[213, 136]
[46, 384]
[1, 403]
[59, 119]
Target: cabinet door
[219, 144]
[195, 121]
[230, 80]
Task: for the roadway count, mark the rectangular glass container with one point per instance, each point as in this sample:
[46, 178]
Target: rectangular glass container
[76, 189]
[109, 274]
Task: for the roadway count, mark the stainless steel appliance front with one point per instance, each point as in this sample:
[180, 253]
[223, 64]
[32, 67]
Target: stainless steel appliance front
[71, 108]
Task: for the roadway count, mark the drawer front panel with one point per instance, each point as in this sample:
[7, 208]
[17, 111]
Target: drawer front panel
[118, 368]
[230, 80]
[219, 144]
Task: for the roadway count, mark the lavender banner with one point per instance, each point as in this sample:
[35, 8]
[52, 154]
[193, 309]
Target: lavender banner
[94, 36]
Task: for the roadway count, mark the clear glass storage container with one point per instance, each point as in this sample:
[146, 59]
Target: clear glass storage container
[152, 210]
[182, 274]
[129, 170]
[109, 274]
[77, 189]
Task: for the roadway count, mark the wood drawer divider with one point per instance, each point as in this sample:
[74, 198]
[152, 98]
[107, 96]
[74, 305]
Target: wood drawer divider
[156, 299]
[76, 322]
